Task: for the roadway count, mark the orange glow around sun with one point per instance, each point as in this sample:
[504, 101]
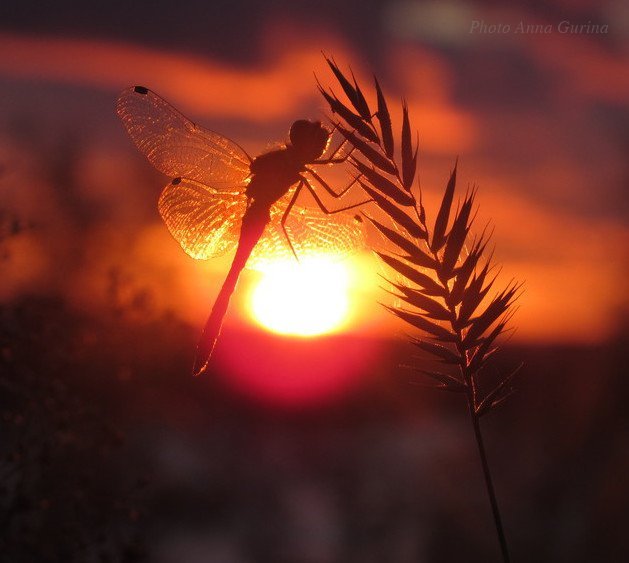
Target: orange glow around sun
[305, 298]
[312, 347]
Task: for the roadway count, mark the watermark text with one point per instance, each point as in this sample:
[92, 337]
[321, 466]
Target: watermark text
[565, 27]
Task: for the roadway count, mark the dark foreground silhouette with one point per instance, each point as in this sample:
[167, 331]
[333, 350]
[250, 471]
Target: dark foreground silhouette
[108, 455]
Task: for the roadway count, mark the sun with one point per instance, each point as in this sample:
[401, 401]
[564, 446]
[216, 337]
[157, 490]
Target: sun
[305, 298]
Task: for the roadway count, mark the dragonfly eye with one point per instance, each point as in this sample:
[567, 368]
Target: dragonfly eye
[309, 138]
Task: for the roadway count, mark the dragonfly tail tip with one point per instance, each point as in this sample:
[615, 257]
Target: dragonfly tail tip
[201, 363]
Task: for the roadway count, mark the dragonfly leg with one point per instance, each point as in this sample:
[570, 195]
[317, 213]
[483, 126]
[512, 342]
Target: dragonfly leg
[327, 186]
[323, 206]
[287, 213]
[331, 158]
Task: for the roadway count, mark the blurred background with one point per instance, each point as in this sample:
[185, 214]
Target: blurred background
[307, 450]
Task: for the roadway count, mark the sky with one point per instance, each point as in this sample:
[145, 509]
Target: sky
[539, 122]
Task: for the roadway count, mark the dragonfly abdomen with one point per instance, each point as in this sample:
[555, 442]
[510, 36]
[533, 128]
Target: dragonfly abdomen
[254, 221]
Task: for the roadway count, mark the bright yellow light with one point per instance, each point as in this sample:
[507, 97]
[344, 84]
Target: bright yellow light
[303, 298]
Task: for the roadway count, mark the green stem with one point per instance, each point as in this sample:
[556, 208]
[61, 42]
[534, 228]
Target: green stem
[489, 483]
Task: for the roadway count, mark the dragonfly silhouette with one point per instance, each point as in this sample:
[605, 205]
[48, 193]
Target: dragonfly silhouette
[220, 197]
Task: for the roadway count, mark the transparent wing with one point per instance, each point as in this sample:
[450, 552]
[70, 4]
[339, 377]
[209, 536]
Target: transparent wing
[178, 147]
[311, 232]
[205, 222]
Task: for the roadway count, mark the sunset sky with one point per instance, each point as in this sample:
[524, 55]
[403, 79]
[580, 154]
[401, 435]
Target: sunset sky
[539, 122]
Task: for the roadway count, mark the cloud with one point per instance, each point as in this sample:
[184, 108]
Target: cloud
[584, 69]
[536, 167]
[279, 87]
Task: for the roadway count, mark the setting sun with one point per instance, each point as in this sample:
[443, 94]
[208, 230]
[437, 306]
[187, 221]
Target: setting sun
[304, 298]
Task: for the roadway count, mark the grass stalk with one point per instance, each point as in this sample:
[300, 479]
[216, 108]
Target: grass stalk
[489, 484]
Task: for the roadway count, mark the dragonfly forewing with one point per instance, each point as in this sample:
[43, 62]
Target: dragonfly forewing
[179, 147]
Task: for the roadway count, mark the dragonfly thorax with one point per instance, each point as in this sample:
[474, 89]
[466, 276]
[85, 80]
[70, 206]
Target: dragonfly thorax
[272, 174]
[310, 139]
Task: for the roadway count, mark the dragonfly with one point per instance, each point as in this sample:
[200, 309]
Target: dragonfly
[220, 198]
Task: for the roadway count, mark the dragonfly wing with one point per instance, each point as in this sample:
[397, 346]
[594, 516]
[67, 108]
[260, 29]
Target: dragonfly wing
[311, 232]
[205, 222]
[178, 147]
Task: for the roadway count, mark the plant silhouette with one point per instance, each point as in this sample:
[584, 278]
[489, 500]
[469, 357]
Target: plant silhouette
[220, 197]
[445, 276]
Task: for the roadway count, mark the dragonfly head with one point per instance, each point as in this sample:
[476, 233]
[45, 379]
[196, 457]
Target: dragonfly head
[310, 139]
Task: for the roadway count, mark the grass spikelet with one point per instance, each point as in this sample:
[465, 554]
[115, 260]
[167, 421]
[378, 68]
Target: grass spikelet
[447, 279]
